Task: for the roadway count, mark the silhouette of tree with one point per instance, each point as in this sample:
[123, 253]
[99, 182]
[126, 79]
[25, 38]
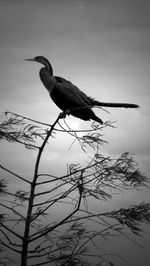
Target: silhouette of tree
[29, 227]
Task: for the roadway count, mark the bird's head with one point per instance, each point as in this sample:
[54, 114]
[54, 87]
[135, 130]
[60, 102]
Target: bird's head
[42, 60]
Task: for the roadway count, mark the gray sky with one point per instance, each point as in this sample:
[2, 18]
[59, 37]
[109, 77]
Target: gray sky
[103, 47]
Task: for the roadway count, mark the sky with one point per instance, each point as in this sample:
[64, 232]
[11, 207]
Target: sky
[103, 47]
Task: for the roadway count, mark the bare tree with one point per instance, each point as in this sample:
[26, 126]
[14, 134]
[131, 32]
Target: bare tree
[29, 226]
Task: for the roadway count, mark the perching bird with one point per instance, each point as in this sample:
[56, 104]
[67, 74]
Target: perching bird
[68, 97]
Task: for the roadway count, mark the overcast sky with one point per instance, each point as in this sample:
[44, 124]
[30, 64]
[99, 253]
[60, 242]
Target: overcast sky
[102, 46]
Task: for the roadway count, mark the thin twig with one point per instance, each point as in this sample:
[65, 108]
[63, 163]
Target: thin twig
[18, 176]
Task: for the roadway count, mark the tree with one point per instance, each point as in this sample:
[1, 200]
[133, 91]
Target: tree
[28, 226]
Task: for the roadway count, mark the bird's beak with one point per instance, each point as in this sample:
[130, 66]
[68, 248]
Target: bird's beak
[30, 59]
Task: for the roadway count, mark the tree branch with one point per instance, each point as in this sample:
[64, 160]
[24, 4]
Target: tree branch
[11, 231]
[18, 176]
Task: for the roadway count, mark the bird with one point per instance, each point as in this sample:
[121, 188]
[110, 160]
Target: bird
[68, 97]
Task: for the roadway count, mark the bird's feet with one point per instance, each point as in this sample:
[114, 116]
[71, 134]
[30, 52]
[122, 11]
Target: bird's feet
[63, 114]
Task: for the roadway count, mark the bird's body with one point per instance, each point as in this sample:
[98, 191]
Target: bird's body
[68, 97]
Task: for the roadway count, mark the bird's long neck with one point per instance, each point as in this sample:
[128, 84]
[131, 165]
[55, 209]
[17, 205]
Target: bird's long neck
[48, 67]
[47, 79]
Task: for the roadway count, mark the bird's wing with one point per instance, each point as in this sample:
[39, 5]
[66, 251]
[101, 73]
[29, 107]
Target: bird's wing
[66, 95]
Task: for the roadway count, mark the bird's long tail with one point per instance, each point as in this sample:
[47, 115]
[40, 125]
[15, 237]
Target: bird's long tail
[116, 105]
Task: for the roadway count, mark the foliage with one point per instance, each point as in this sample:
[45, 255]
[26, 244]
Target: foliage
[29, 227]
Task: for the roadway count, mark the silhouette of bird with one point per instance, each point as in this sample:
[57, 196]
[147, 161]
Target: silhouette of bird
[68, 97]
